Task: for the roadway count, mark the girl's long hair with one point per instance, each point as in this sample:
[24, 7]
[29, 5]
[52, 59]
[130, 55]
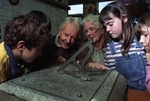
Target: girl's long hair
[118, 9]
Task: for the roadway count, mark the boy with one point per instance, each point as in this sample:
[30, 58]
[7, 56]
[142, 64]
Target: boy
[23, 41]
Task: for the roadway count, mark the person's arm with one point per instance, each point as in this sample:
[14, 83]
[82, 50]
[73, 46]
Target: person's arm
[96, 65]
[2, 77]
[148, 72]
[148, 58]
[4, 71]
[61, 59]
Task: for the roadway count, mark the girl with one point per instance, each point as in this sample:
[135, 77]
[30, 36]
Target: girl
[144, 31]
[122, 50]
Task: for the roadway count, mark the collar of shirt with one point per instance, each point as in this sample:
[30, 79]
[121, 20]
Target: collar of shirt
[14, 67]
[57, 40]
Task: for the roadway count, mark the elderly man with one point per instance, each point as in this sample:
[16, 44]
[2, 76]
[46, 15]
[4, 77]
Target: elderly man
[63, 45]
[65, 42]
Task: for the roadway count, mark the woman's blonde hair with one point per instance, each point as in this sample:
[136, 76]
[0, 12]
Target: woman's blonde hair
[94, 19]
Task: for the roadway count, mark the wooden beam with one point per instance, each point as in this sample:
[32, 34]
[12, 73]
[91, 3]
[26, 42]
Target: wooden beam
[72, 2]
[59, 4]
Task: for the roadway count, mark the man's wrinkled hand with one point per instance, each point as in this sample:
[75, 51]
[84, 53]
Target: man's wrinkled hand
[96, 65]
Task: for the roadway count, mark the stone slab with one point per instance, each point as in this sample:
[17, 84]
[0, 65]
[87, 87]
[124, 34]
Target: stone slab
[9, 97]
[49, 85]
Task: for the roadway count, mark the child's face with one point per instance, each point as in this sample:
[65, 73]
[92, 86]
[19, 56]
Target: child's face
[29, 55]
[114, 26]
[145, 37]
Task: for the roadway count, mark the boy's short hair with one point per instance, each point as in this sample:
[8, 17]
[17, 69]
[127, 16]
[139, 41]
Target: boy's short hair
[43, 19]
[26, 28]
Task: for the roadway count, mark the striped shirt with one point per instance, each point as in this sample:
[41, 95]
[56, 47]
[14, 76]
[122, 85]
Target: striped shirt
[109, 58]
